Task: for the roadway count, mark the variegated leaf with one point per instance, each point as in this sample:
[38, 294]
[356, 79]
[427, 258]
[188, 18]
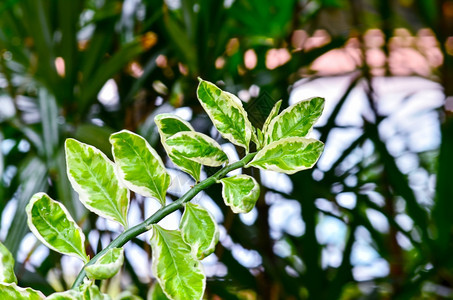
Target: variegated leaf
[156, 293]
[10, 291]
[256, 138]
[272, 115]
[199, 230]
[168, 125]
[127, 295]
[295, 121]
[289, 155]
[93, 177]
[226, 113]
[89, 291]
[259, 139]
[240, 192]
[6, 266]
[178, 272]
[139, 165]
[197, 147]
[107, 265]
[52, 224]
[68, 295]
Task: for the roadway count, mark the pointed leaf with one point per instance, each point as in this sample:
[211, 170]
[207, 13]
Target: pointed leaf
[89, 291]
[197, 147]
[256, 137]
[240, 192]
[295, 121]
[199, 230]
[68, 295]
[52, 224]
[10, 291]
[139, 165]
[168, 125]
[288, 155]
[226, 113]
[107, 265]
[272, 115]
[178, 272]
[156, 293]
[93, 177]
[259, 139]
[6, 266]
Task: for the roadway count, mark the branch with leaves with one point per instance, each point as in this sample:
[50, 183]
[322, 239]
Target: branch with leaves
[104, 186]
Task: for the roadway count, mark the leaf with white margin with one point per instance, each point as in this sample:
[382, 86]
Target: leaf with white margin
[288, 155]
[240, 192]
[259, 139]
[295, 121]
[168, 125]
[68, 295]
[256, 137]
[6, 265]
[107, 265]
[156, 293]
[139, 165]
[272, 115]
[52, 224]
[10, 291]
[127, 295]
[197, 147]
[178, 272]
[199, 230]
[89, 291]
[226, 113]
[93, 177]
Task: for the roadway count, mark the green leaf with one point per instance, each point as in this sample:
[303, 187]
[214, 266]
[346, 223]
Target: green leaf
[256, 137]
[90, 291]
[178, 272]
[107, 265]
[259, 139]
[52, 224]
[156, 293]
[10, 291]
[139, 165]
[93, 177]
[272, 115]
[240, 192]
[197, 147]
[127, 295]
[226, 113]
[168, 125]
[295, 121]
[68, 295]
[6, 266]
[289, 155]
[199, 230]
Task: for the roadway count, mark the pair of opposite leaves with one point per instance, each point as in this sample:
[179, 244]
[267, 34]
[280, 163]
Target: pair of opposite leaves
[286, 129]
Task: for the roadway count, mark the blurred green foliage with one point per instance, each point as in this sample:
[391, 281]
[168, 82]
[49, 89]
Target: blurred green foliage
[56, 56]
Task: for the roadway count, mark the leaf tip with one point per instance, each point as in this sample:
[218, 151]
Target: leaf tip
[69, 141]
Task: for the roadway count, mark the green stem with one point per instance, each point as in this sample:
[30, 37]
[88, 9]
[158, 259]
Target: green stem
[138, 229]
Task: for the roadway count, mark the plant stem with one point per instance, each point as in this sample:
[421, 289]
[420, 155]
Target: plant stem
[138, 229]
